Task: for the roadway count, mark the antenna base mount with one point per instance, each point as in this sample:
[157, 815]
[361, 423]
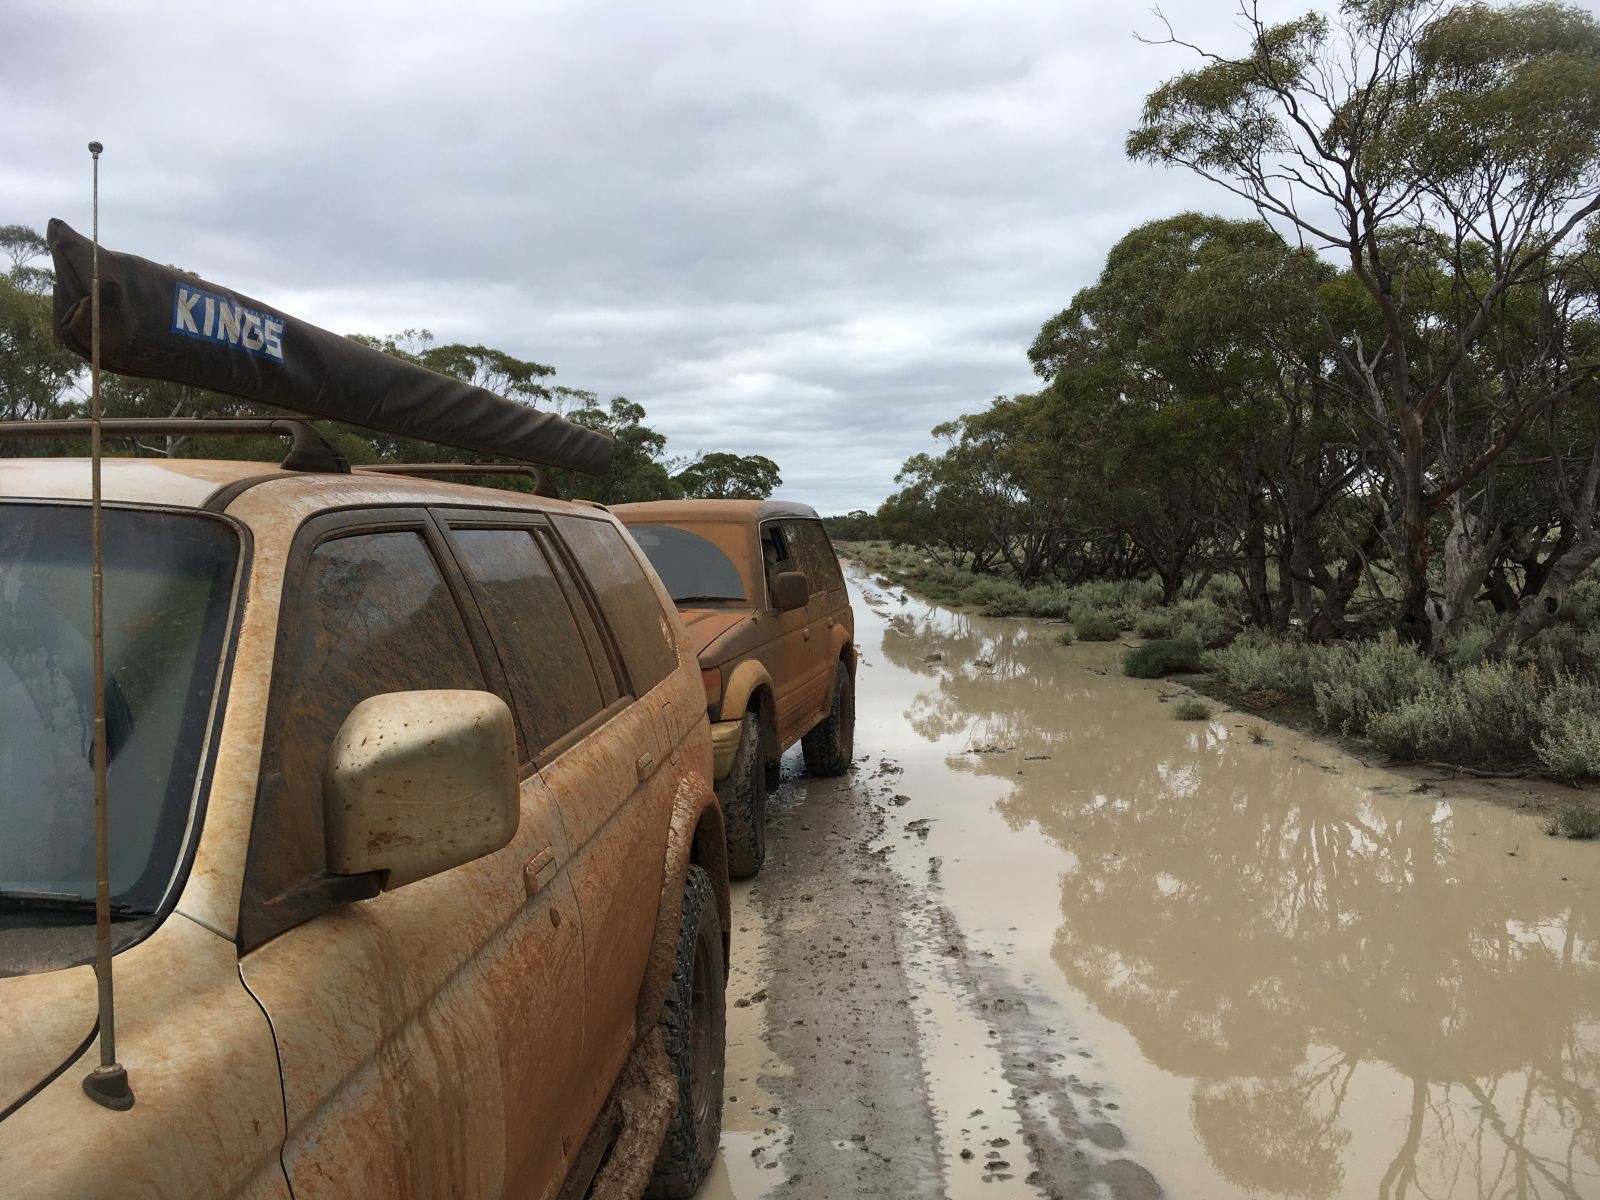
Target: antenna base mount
[109, 1088]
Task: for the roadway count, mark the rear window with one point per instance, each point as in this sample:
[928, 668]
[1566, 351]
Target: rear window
[691, 566]
[627, 599]
[552, 680]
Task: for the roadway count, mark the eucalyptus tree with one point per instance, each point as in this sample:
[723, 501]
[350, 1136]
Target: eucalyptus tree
[1406, 122]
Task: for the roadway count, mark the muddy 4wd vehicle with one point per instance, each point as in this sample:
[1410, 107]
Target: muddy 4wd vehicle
[764, 600]
[417, 875]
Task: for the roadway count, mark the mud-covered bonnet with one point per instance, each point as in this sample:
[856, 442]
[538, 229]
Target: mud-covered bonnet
[159, 323]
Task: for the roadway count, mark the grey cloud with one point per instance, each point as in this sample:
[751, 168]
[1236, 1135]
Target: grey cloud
[812, 232]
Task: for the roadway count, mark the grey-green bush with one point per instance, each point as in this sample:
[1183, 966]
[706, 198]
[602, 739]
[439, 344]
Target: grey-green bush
[1191, 710]
[1161, 657]
[1485, 715]
[1096, 627]
[1353, 682]
[1258, 662]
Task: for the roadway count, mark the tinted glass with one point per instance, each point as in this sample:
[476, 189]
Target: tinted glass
[627, 600]
[168, 582]
[375, 616]
[546, 663]
[691, 567]
[810, 546]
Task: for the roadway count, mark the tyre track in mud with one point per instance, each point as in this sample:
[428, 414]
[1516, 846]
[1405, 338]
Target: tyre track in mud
[910, 1063]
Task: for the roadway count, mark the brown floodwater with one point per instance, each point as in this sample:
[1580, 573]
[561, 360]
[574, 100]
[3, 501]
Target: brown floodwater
[1289, 973]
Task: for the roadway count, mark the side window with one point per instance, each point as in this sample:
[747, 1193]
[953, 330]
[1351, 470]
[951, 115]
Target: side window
[811, 549]
[371, 613]
[776, 553]
[547, 665]
[627, 599]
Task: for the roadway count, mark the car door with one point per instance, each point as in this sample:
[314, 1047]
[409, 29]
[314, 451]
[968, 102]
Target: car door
[429, 1037]
[787, 656]
[616, 785]
[819, 665]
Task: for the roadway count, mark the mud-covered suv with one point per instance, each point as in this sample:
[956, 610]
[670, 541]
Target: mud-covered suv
[762, 595]
[418, 878]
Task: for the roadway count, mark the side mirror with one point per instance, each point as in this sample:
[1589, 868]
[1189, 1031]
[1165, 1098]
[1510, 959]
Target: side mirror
[419, 782]
[790, 590]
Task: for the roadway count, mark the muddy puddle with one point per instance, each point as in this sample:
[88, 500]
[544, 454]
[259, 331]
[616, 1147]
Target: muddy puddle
[1276, 971]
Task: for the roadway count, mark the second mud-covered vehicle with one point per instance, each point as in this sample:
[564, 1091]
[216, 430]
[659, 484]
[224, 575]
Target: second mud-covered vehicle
[417, 876]
[761, 593]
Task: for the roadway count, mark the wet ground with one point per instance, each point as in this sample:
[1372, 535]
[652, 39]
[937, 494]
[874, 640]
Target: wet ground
[1048, 941]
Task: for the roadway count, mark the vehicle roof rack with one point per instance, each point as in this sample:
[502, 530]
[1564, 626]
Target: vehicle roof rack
[309, 450]
[542, 484]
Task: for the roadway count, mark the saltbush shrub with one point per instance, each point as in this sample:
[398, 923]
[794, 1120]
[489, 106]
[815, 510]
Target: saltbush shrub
[1191, 710]
[1092, 626]
[1569, 743]
[1353, 682]
[1485, 715]
[1258, 662]
[1162, 657]
[1575, 821]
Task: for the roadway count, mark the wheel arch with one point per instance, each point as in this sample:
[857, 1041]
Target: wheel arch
[694, 837]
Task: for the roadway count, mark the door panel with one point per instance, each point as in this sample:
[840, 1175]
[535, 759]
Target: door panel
[787, 656]
[429, 1037]
[818, 670]
[615, 786]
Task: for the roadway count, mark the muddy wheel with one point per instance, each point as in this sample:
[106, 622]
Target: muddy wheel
[694, 1019]
[830, 746]
[743, 795]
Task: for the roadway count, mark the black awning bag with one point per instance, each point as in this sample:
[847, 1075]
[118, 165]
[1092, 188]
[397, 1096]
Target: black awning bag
[158, 323]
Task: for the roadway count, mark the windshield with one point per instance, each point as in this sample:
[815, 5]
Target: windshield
[168, 582]
[690, 565]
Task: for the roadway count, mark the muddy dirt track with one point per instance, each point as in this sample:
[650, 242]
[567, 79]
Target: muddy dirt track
[1048, 941]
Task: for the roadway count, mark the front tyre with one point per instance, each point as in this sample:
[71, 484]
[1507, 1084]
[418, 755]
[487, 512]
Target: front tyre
[743, 796]
[694, 1021]
[829, 747]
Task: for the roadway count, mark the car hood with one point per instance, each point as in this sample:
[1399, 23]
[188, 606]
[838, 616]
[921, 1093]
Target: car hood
[706, 625]
[46, 1020]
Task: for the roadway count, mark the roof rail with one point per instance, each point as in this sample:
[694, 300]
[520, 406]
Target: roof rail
[309, 449]
[542, 484]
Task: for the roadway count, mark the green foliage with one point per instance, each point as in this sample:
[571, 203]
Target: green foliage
[1354, 682]
[1191, 710]
[1256, 661]
[1091, 626]
[858, 525]
[1201, 621]
[1065, 638]
[1162, 657]
[1486, 715]
[723, 476]
[1569, 744]
[1578, 821]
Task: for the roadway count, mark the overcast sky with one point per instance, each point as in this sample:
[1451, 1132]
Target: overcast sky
[811, 231]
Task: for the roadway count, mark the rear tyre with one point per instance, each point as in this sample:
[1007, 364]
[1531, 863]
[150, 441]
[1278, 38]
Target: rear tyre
[694, 1020]
[743, 795]
[829, 747]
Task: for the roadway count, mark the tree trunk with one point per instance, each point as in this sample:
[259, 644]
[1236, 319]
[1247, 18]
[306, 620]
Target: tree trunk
[1538, 612]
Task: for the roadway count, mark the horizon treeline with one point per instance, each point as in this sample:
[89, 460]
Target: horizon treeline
[1387, 385]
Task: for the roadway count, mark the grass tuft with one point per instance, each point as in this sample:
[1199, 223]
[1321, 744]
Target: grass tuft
[1192, 710]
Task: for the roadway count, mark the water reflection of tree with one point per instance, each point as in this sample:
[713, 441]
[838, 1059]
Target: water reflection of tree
[1265, 927]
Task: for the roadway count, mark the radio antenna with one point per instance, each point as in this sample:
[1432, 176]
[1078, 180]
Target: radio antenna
[107, 1084]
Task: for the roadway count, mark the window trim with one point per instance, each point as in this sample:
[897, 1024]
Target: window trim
[592, 600]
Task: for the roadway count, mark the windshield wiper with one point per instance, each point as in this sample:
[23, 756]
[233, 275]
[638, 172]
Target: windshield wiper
[64, 902]
[692, 599]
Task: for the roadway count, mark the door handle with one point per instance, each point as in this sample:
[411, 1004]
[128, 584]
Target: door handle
[646, 764]
[536, 866]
